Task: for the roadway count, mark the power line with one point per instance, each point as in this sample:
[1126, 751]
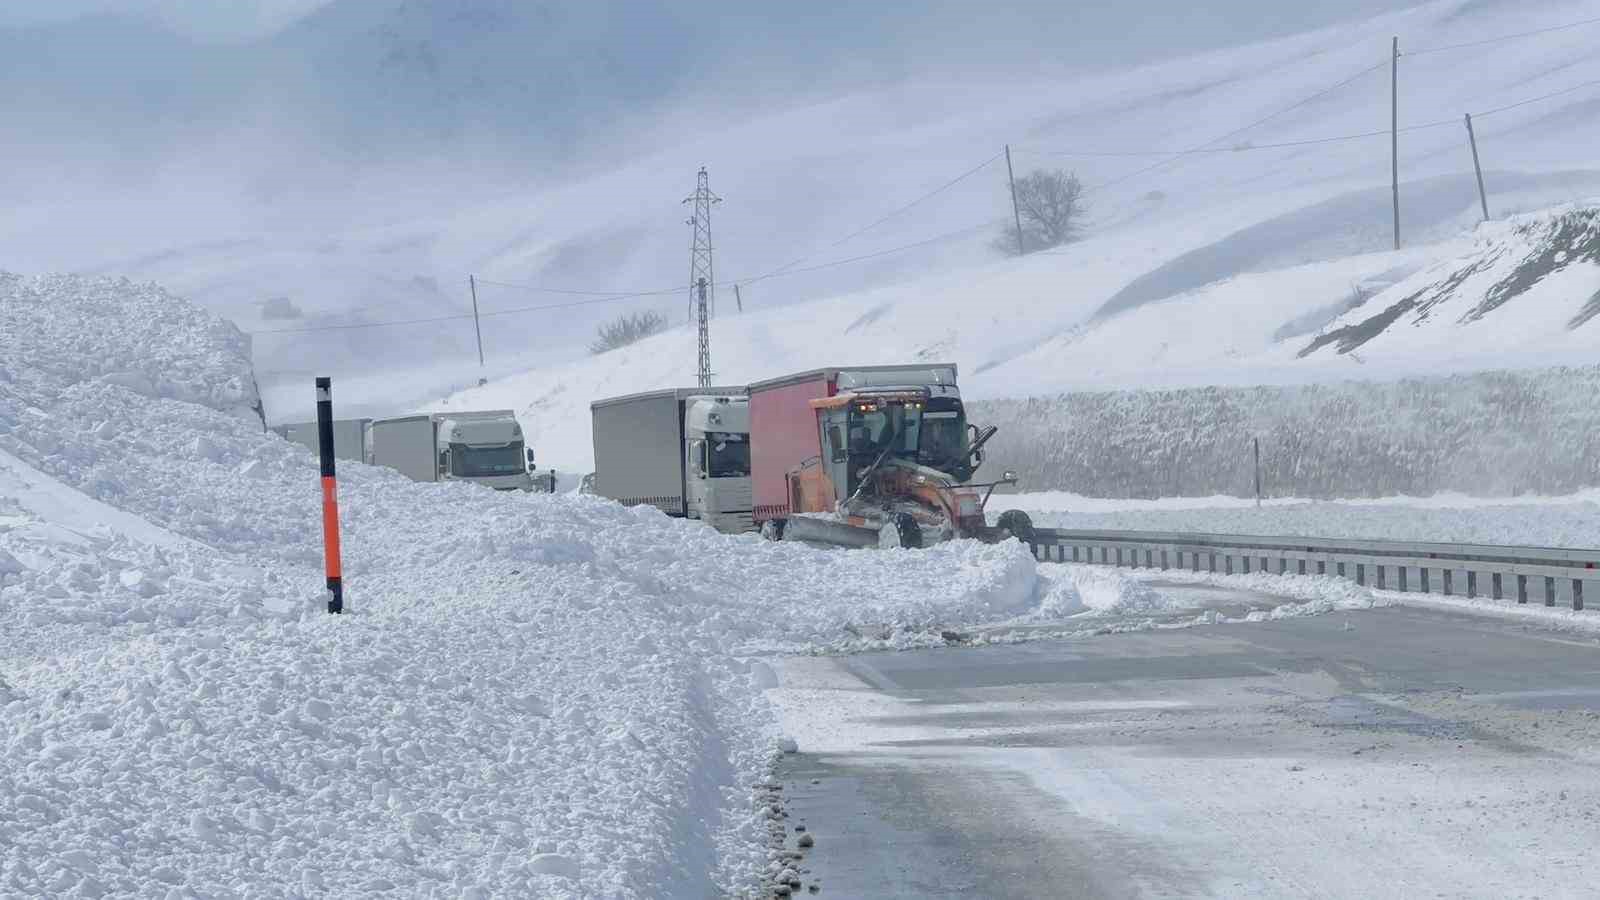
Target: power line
[1500, 109]
[866, 256]
[1503, 37]
[936, 191]
[611, 298]
[863, 230]
[1244, 148]
[547, 290]
[1237, 131]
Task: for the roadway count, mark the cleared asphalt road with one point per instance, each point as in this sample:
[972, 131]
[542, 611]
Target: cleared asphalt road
[1394, 752]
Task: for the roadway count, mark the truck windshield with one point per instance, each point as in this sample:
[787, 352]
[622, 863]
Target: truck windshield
[943, 439]
[479, 462]
[872, 427]
[729, 455]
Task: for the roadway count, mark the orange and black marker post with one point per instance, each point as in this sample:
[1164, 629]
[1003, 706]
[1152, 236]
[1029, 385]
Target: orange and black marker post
[330, 498]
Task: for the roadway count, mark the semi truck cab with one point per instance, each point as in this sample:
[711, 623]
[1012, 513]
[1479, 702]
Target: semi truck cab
[485, 447]
[487, 450]
[717, 461]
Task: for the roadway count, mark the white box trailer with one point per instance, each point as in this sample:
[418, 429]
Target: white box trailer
[684, 451]
[349, 437]
[485, 447]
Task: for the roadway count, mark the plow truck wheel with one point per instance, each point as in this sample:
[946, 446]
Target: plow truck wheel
[772, 529]
[900, 531]
[1018, 523]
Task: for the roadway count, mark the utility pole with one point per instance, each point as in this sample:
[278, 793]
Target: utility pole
[472, 281]
[1256, 442]
[1012, 180]
[1394, 135]
[1472, 139]
[702, 276]
[705, 337]
[736, 296]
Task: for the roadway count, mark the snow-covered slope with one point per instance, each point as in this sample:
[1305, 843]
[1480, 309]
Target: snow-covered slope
[1530, 303]
[530, 695]
[800, 175]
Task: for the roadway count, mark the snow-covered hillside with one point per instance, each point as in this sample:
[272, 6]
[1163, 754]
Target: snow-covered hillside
[1529, 304]
[798, 180]
[530, 695]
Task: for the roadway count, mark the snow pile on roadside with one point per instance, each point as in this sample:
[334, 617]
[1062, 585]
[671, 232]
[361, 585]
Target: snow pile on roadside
[1069, 590]
[532, 695]
[1572, 521]
[1080, 601]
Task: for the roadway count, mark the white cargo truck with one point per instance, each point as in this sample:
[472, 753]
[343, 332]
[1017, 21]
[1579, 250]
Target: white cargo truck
[685, 451]
[482, 447]
[349, 437]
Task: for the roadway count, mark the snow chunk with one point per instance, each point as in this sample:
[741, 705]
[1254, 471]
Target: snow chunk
[557, 864]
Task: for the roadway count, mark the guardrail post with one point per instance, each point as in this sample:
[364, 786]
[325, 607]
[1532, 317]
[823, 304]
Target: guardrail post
[1401, 571]
[1522, 589]
[1577, 593]
[1361, 574]
[1549, 590]
[1426, 587]
[1448, 578]
[1496, 585]
[1472, 583]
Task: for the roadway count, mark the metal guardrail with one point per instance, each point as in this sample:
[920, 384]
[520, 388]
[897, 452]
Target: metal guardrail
[1557, 574]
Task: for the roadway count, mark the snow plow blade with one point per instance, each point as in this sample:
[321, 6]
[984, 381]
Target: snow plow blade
[822, 531]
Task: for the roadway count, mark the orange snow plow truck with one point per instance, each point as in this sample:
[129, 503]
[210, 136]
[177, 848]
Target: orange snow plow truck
[871, 456]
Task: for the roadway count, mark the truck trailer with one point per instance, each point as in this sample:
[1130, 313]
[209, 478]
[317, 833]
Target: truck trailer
[349, 437]
[685, 451]
[483, 447]
[872, 455]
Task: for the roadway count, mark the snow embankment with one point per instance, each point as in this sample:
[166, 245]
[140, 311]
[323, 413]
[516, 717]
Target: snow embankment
[1570, 521]
[532, 695]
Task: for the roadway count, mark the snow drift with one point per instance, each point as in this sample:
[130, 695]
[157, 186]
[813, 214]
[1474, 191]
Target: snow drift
[532, 695]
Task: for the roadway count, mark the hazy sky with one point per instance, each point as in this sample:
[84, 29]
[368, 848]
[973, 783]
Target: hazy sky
[207, 19]
[1146, 27]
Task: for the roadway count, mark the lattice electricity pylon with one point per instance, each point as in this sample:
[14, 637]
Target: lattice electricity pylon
[705, 334]
[702, 276]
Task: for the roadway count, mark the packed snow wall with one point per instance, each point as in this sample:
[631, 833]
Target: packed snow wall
[65, 331]
[1501, 433]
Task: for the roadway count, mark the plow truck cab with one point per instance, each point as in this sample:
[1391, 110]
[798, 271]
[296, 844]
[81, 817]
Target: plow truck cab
[871, 456]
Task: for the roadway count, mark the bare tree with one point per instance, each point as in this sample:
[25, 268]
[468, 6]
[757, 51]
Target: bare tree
[627, 329]
[1050, 204]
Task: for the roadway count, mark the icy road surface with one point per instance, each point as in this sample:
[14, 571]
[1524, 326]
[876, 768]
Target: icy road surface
[1373, 753]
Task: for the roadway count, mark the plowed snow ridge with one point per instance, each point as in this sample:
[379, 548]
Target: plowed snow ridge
[532, 695]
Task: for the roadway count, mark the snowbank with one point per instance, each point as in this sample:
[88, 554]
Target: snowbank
[532, 695]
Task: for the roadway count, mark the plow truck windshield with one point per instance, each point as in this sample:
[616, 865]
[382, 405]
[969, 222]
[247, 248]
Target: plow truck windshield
[930, 433]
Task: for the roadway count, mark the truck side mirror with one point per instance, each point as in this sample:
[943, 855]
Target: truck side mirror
[697, 458]
[530, 456]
